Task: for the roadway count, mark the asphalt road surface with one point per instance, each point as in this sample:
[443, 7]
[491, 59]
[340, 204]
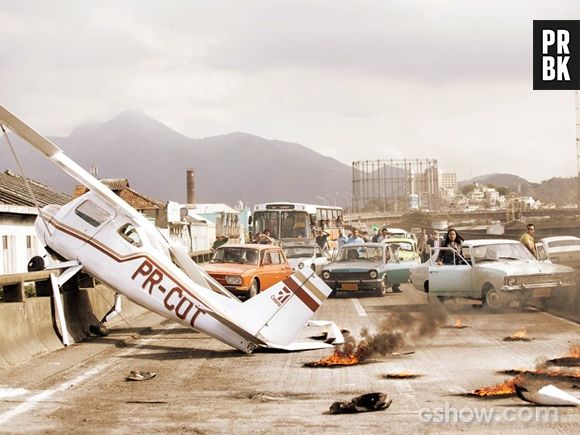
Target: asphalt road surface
[202, 386]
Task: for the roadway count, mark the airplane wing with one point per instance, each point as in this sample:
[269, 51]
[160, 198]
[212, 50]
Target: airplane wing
[57, 156]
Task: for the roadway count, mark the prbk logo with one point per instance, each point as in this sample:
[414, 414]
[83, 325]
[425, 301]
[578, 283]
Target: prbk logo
[557, 54]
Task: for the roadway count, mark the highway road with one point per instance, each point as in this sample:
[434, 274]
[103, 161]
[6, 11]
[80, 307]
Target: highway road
[202, 386]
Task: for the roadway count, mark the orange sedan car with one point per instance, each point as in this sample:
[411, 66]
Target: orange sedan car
[248, 269]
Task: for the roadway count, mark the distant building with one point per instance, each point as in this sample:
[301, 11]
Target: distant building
[228, 221]
[18, 241]
[448, 180]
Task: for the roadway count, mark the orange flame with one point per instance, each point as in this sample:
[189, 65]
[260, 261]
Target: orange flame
[574, 351]
[519, 335]
[504, 389]
[336, 359]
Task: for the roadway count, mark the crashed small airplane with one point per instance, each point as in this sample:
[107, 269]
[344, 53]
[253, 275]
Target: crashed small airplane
[101, 234]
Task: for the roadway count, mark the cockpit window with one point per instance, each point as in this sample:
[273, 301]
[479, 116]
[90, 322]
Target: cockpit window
[92, 214]
[129, 233]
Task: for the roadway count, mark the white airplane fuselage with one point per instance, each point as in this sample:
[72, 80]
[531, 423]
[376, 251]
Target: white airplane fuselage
[145, 274]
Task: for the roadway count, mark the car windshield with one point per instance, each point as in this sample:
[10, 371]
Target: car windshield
[501, 251]
[235, 255]
[358, 252]
[299, 252]
[402, 246]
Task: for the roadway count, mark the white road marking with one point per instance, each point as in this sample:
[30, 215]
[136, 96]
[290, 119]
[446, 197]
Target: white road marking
[359, 308]
[40, 397]
[12, 392]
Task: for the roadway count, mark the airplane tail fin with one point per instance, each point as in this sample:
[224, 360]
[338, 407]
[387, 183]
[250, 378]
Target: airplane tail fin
[278, 314]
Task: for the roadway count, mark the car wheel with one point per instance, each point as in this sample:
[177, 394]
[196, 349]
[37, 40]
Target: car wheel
[492, 298]
[396, 288]
[382, 290]
[254, 289]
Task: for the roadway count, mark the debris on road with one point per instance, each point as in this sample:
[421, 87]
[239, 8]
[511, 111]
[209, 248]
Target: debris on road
[365, 403]
[401, 375]
[572, 359]
[548, 395]
[140, 375]
[520, 335]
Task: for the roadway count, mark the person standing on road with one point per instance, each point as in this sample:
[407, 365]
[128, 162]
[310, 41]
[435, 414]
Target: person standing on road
[423, 247]
[355, 238]
[528, 240]
[341, 240]
[453, 241]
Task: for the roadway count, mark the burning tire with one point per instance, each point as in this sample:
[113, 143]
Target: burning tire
[493, 299]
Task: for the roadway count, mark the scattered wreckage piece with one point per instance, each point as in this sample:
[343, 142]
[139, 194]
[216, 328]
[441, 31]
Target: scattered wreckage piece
[566, 361]
[401, 375]
[138, 375]
[548, 395]
[366, 403]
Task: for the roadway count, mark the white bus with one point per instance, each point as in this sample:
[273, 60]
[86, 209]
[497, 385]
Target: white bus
[290, 220]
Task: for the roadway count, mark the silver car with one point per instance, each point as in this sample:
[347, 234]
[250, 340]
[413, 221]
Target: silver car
[495, 271]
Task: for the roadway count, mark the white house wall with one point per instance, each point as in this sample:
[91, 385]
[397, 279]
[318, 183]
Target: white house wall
[18, 243]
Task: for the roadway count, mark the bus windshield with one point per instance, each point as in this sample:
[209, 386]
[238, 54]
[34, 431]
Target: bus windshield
[283, 224]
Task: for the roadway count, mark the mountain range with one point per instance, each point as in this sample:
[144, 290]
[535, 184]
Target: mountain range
[228, 168]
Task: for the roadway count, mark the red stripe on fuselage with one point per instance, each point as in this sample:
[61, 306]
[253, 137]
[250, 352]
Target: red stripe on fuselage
[118, 257]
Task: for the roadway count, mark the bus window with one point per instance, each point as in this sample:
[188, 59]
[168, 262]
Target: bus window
[267, 220]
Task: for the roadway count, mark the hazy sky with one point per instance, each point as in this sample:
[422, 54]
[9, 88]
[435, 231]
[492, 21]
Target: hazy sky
[354, 80]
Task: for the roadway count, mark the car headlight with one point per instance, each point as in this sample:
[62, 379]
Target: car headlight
[234, 280]
[511, 280]
[374, 274]
[326, 274]
[300, 265]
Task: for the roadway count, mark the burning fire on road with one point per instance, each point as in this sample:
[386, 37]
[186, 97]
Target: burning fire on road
[457, 325]
[397, 330]
[520, 335]
[572, 359]
[549, 373]
[505, 389]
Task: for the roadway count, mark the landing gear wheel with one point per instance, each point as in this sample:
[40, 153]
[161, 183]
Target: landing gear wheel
[397, 288]
[36, 264]
[99, 330]
[382, 290]
[254, 289]
[493, 299]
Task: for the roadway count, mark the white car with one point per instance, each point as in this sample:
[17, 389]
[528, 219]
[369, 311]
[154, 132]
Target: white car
[560, 250]
[301, 256]
[495, 271]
